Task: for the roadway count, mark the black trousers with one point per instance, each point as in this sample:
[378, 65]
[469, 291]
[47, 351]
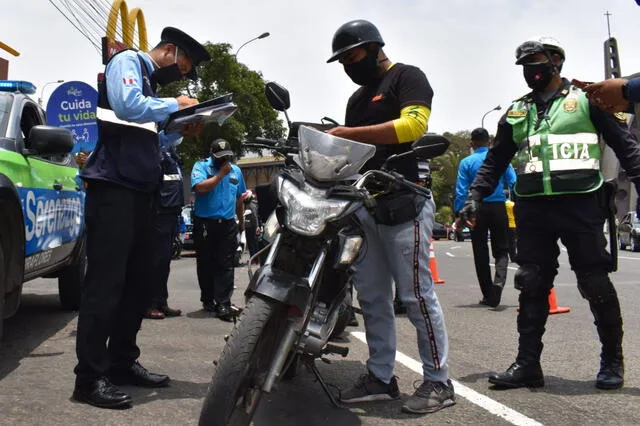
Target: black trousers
[216, 242]
[116, 291]
[491, 216]
[164, 230]
[578, 222]
[513, 244]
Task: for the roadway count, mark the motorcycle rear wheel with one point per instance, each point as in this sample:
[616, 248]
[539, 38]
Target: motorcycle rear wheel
[236, 387]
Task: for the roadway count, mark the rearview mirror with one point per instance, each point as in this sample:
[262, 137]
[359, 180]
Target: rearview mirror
[49, 140]
[430, 146]
[277, 96]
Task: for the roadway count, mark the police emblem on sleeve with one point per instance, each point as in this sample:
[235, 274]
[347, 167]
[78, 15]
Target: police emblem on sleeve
[517, 113]
[570, 105]
[621, 117]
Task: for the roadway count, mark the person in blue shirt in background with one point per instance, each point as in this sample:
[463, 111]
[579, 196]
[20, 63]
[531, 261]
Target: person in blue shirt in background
[219, 186]
[491, 217]
[121, 177]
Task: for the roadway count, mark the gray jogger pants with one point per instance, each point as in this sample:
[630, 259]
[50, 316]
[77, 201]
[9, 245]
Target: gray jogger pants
[401, 253]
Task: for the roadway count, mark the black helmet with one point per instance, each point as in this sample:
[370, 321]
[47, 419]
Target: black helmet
[354, 34]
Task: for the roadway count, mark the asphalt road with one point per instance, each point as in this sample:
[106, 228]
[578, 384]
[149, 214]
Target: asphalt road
[37, 357]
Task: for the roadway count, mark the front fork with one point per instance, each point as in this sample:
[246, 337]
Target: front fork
[294, 328]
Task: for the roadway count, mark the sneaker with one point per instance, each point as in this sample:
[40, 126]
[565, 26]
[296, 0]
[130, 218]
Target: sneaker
[370, 388]
[430, 397]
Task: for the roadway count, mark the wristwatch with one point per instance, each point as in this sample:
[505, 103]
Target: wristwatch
[625, 90]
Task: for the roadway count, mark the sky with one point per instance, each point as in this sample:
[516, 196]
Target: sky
[466, 48]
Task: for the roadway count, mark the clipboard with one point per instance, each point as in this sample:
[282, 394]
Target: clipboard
[215, 110]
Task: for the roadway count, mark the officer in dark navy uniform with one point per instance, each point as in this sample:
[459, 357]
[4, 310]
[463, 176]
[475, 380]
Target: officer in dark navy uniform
[219, 187]
[169, 204]
[122, 176]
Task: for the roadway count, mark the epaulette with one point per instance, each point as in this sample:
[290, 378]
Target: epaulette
[527, 98]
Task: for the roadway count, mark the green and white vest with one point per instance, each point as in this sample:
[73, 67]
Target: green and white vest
[560, 154]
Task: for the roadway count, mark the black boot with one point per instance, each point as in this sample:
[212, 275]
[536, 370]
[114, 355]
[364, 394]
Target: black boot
[526, 371]
[519, 376]
[608, 321]
[611, 374]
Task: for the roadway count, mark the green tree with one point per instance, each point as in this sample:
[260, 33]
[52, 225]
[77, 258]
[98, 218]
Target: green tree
[445, 171]
[222, 75]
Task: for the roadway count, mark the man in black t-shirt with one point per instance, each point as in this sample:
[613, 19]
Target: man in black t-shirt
[390, 110]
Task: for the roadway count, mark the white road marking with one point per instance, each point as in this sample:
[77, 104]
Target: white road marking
[450, 254]
[482, 401]
[629, 258]
[455, 247]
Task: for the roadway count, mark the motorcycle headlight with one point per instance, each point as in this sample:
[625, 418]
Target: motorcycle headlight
[308, 209]
[271, 228]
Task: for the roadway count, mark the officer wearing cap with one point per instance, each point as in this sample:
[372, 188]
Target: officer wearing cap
[390, 110]
[553, 133]
[170, 199]
[122, 175]
[492, 217]
[219, 186]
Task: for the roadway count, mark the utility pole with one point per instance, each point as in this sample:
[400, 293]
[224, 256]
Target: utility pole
[611, 54]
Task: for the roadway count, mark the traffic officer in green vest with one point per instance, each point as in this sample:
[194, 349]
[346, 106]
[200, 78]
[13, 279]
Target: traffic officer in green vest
[553, 132]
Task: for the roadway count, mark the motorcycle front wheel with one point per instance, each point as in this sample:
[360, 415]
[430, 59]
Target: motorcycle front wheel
[236, 387]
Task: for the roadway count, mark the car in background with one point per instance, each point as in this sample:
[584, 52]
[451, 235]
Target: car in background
[439, 231]
[187, 215]
[41, 204]
[459, 235]
[629, 232]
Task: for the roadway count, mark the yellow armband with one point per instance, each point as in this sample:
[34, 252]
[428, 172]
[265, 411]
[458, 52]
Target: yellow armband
[412, 123]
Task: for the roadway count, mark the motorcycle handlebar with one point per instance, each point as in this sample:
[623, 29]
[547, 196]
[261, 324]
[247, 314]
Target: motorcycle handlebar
[395, 177]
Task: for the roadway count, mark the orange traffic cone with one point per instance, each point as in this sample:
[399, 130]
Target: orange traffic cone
[433, 264]
[553, 304]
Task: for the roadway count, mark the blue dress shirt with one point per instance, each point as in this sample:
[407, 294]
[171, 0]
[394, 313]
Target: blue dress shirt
[124, 91]
[467, 170]
[220, 202]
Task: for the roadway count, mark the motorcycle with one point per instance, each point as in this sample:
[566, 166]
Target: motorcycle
[176, 246]
[296, 299]
[242, 242]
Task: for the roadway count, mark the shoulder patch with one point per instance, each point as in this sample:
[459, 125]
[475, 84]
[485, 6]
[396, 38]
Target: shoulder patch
[517, 113]
[621, 116]
[570, 105]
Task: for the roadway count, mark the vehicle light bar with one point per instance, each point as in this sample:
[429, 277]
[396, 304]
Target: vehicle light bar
[17, 86]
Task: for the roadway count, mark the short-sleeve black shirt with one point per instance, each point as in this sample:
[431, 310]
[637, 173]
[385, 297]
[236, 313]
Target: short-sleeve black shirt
[381, 101]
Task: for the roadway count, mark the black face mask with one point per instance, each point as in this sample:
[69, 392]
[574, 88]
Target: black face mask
[538, 75]
[218, 162]
[166, 75]
[365, 70]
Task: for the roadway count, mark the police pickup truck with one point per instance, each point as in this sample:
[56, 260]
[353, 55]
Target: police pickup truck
[41, 207]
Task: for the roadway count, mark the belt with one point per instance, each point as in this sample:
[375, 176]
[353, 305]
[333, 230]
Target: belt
[216, 219]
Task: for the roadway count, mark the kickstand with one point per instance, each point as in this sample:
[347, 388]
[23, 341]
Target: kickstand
[314, 369]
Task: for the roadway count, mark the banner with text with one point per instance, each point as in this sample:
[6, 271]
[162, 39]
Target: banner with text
[73, 105]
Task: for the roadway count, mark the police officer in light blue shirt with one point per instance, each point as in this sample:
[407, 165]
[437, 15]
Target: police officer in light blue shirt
[492, 216]
[219, 186]
[122, 175]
